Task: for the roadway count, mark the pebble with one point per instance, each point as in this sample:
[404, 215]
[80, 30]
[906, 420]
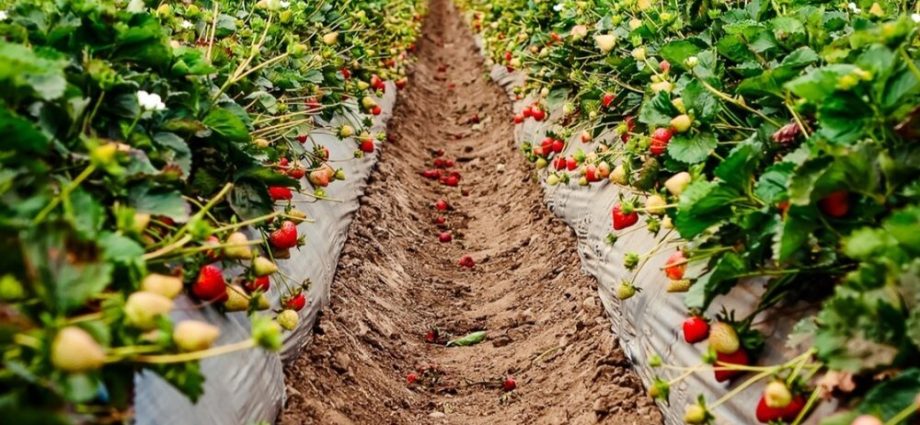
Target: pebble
[436, 414]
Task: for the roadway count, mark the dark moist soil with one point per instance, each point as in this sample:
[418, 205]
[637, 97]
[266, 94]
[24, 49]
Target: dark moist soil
[395, 280]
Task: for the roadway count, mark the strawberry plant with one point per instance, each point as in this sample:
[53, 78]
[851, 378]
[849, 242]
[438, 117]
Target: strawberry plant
[774, 140]
[158, 148]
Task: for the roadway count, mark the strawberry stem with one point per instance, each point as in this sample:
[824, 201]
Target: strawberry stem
[65, 192]
[196, 355]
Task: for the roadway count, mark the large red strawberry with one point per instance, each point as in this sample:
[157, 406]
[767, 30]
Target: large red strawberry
[367, 145]
[294, 302]
[441, 205]
[836, 204]
[675, 266]
[591, 173]
[696, 329]
[660, 139]
[509, 384]
[767, 414]
[739, 357]
[445, 237]
[571, 164]
[557, 145]
[467, 261]
[537, 113]
[623, 216]
[210, 285]
[285, 237]
[280, 193]
[559, 162]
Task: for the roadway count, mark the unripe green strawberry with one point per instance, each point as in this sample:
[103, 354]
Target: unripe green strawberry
[777, 395]
[679, 285]
[262, 266]
[666, 223]
[681, 123]
[330, 38]
[605, 42]
[552, 180]
[142, 309]
[677, 183]
[74, 350]
[723, 338]
[193, 335]
[368, 102]
[297, 216]
[262, 301]
[625, 290]
[346, 131]
[238, 247]
[655, 204]
[694, 414]
[237, 300]
[288, 319]
[11, 289]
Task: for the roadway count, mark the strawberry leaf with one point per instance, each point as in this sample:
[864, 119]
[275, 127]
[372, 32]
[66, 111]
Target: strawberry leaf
[692, 148]
[717, 281]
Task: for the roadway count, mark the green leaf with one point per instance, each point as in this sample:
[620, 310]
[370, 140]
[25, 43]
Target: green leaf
[249, 199]
[658, 110]
[788, 30]
[227, 124]
[733, 47]
[771, 186]
[174, 151]
[67, 272]
[467, 340]
[717, 281]
[23, 73]
[819, 84]
[676, 52]
[703, 204]
[88, 214]
[702, 104]
[903, 225]
[226, 26]
[21, 135]
[738, 167]
[692, 148]
[159, 201]
[800, 58]
[793, 233]
[268, 176]
[888, 398]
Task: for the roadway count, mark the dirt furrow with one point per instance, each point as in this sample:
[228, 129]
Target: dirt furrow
[396, 281]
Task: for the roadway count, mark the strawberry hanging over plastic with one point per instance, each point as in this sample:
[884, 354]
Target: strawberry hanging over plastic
[675, 266]
[695, 329]
[739, 357]
[624, 215]
[280, 193]
[788, 413]
[285, 237]
[294, 302]
[210, 285]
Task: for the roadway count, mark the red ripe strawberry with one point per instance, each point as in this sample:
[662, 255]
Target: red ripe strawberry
[438, 163]
[320, 177]
[836, 204]
[559, 163]
[623, 219]
[441, 205]
[437, 152]
[445, 237]
[696, 329]
[558, 145]
[527, 112]
[452, 180]
[212, 254]
[607, 99]
[346, 74]
[411, 377]
[739, 357]
[450, 163]
[509, 384]
[540, 151]
[508, 57]
[431, 336]
[519, 118]
[376, 110]
[283, 162]
[664, 66]
[675, 266]
[258, 284]
[767, 414]
[210, 285]
[591, 173]
[467, 261]
[280, 193]
[285, 237]
[367, 146]
[296, 172]
[660, 139]
[440, 220]
[302, 138]
[783, 206]
[295, 302]
[538, 114]
[376, 82]
[571, 164]
[402, 83]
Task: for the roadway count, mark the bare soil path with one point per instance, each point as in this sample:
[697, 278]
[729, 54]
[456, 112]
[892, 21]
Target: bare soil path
[395, 279]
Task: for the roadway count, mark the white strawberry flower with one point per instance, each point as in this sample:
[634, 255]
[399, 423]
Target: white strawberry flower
[285, 4]
[558, 7]
[915, 17]
[185, 24]
[3, 15]
[853, 7]
[150, 101]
